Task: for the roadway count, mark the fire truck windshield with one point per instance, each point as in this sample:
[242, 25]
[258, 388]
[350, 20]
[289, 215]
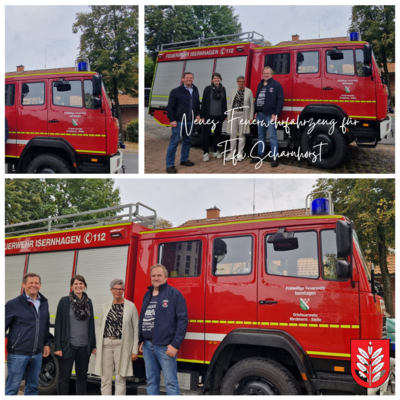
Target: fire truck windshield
[361, 253]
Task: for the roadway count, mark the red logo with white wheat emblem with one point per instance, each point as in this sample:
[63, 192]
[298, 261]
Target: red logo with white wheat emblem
[370, 362]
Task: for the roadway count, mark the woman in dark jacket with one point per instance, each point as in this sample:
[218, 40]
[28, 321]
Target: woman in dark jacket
[74, 336]
[213, 107]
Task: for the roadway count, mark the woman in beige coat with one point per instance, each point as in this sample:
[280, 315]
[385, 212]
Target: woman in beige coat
[118, 338]
[240, 107]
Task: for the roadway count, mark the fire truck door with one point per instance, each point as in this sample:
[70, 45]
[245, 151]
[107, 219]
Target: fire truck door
[306, 80]
[32, 112]
[344, 83]
[320, 311]
[185, 260]
[231, 289]
[72, 117]
[11, 115]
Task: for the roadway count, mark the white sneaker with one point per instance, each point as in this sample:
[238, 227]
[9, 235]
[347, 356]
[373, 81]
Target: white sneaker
[206, 157]
[229, 157]
[239, 157]
[217, 155]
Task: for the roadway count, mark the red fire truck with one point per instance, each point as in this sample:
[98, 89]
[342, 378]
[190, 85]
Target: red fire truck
[272, 303]
[325, 83]
[61, 123]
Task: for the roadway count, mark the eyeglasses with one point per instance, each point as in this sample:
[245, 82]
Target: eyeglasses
[118, 290]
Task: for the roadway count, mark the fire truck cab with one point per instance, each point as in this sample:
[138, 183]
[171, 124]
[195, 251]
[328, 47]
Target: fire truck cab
[61, 123]
[272, 304]
[332, 87]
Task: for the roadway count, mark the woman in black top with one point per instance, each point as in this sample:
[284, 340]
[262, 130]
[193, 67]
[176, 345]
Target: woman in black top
[213, 107]
[74, 336]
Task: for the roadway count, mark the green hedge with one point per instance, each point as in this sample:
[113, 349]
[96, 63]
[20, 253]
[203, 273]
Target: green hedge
[132, 131]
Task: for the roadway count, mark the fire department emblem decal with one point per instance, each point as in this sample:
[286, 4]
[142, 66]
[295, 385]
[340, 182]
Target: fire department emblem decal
[346, 89]
[165, 303]
[304, 304]
[74, 123]
[370, 361]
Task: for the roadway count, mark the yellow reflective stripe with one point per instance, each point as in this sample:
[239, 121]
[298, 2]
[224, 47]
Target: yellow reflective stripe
[334, 101]
[204, 47]
[158, 95]
[72, 230]
[320, 353]
[266, 323]
[59, 134]
[54, 73]
[361, 117]
[241, 222]
[307, 44]
[13, 156]
[91, 151]
[158, 122]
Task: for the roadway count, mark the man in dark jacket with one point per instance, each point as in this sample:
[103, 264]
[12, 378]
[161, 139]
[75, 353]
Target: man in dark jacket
[268, 105]
[28, 322]
[183, 110]
[162, 328]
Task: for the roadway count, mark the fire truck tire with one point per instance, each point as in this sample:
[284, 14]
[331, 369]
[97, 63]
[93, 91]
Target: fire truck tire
[48, 377]
[48, 164]
[333, 146]
[259, 376]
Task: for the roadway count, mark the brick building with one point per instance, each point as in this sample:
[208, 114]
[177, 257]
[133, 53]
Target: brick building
[128, 105]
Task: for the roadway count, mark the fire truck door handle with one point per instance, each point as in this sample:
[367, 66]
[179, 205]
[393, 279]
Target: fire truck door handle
[268, 302]
[53, 121]
[327, 88]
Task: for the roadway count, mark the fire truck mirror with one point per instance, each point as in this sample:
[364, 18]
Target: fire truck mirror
[343, 239]
[335, 54]
[367, 70]
[285, 244]
[25, 89]
[96, 79]
[367, 53]
[220, 250]
[96, 103]
[62, 86]
[343, 269]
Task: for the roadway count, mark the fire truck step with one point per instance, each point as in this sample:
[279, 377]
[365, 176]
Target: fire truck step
[367, 145]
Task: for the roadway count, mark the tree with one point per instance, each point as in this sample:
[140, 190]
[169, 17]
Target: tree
[148, 71]
[32, 199]
[163, 223]
[370, 203]
[171, 24]
[109, 41]
[377, 26]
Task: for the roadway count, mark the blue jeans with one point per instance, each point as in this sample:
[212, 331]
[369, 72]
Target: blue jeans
[17, 366]
[156, 359]
[262, 134]
[187, 133]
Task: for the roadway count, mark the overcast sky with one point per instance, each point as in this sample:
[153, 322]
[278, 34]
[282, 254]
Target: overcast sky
[279, 23]
[179, 200]
[32, 30]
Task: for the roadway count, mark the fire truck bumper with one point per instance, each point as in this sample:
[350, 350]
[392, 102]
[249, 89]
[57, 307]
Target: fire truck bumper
[385, 127]
[116, 163]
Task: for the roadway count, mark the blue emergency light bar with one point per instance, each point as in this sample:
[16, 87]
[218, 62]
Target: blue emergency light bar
[355, 36]
[83, 66]
[320, 206]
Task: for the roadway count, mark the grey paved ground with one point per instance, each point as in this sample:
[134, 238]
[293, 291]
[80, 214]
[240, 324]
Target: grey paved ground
[380, 160]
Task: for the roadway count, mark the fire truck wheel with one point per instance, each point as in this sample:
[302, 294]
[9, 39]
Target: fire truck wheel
[329, 149]
[259, 376]
[48, 376]
[48, 164]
